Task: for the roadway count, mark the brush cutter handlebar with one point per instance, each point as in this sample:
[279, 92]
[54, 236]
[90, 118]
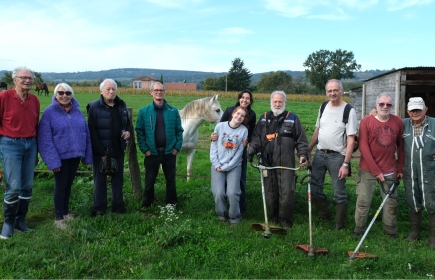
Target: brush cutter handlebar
[262, 167]
[392, 189]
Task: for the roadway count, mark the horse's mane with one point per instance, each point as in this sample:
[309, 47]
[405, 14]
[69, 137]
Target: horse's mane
[196, 108]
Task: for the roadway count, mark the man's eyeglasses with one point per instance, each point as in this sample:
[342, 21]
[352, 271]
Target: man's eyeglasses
[67, 93]
[25, 78]
[333, 91]
[158, 90]
[382, 105]
[416, 111]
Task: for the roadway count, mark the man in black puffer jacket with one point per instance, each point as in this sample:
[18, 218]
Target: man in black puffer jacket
[109, 128]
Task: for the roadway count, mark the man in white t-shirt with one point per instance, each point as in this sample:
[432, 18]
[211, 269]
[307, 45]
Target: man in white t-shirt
[335, 141]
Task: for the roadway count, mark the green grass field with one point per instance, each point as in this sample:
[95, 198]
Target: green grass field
[193, 244]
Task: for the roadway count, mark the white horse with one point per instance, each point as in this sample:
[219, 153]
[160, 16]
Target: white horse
[192, 116]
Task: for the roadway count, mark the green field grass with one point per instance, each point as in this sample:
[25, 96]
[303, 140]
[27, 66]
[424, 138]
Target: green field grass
[143, 244]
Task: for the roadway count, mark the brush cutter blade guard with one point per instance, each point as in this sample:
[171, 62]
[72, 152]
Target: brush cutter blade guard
[316, 250]
[361, 255]
[273, 229]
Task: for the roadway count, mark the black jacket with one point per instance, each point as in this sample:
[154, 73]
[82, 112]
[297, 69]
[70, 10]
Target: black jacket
[106, 131]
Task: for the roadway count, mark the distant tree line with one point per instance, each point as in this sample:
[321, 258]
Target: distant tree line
[320, 66]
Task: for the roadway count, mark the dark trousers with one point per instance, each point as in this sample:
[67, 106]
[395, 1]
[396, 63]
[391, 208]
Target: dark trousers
[63, 181]
[100, 186]
[152, 165]
[280, 197]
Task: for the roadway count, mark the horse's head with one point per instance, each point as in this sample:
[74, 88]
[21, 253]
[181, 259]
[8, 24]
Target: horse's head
[214, 110]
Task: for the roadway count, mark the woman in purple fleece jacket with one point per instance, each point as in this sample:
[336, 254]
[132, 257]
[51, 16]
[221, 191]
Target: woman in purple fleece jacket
[64, 141]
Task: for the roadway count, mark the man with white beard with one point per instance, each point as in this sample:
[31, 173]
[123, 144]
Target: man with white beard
[276, 136]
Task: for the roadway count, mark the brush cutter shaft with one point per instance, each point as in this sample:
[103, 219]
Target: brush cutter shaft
[309, 212]
[262, 167]
[263, 193]
[392, 189]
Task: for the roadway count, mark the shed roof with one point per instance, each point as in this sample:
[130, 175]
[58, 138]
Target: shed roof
[429, 68]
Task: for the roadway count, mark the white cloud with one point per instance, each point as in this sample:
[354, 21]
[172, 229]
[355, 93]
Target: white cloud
[395, 5]
[295, 8]
[173, 3]
[357, 4]
[236, 31]
[320, 9]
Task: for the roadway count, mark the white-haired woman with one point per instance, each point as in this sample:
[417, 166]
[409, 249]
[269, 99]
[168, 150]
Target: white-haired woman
[63, 142]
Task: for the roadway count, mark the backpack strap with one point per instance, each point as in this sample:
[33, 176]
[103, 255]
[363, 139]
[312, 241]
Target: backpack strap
[345, 112]
[322, 108]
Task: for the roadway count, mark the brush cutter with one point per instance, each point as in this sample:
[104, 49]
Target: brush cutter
[359, 255]
[312, 251]
[266, 228]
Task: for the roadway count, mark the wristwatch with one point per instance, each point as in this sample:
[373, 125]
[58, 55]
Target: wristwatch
[345, 164]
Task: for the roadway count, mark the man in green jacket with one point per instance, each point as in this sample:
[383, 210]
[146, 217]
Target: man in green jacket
[160, 136]
[418, 174]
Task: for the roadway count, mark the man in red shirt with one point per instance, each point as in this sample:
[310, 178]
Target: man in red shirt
[380, 139]
[19, 116]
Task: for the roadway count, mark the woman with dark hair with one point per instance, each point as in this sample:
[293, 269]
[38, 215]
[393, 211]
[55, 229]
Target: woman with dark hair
[245, 100]
[63, 142]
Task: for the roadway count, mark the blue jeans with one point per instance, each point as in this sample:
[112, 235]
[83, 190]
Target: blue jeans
[18, 158]
[232, 179]
[332, 163]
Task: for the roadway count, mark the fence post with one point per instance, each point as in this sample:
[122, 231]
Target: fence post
[133, 163]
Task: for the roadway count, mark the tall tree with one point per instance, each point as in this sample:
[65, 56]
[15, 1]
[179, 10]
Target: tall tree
[7, 78]
[278, 80]
[324, 65]
[239, 77]
[38, 78]
[214, 83]
[161, 78]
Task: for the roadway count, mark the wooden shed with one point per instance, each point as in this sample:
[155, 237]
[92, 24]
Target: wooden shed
[403, 84]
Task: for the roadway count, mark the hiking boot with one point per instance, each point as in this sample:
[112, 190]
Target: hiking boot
[8, 226]
[68, 217]
[322, 207]
[60, 224]
[415, 223]
[286, 224]
[340, 216]
[23, 208]
[432, 230]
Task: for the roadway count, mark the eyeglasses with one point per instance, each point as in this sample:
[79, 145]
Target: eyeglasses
[25, 78]
[158, 90]
[385, 104]
[67, 93]
[333, 91]
[416, 111]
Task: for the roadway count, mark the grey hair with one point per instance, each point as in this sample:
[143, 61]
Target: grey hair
[334, 80]
[279, 92]
[66, 86]
[21, 68]
[108, 80]
[155, 83]
[388, 94]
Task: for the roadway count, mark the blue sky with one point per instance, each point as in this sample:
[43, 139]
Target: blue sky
[206, 35]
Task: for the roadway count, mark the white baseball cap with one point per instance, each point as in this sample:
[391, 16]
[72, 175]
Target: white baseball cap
[416, 103]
